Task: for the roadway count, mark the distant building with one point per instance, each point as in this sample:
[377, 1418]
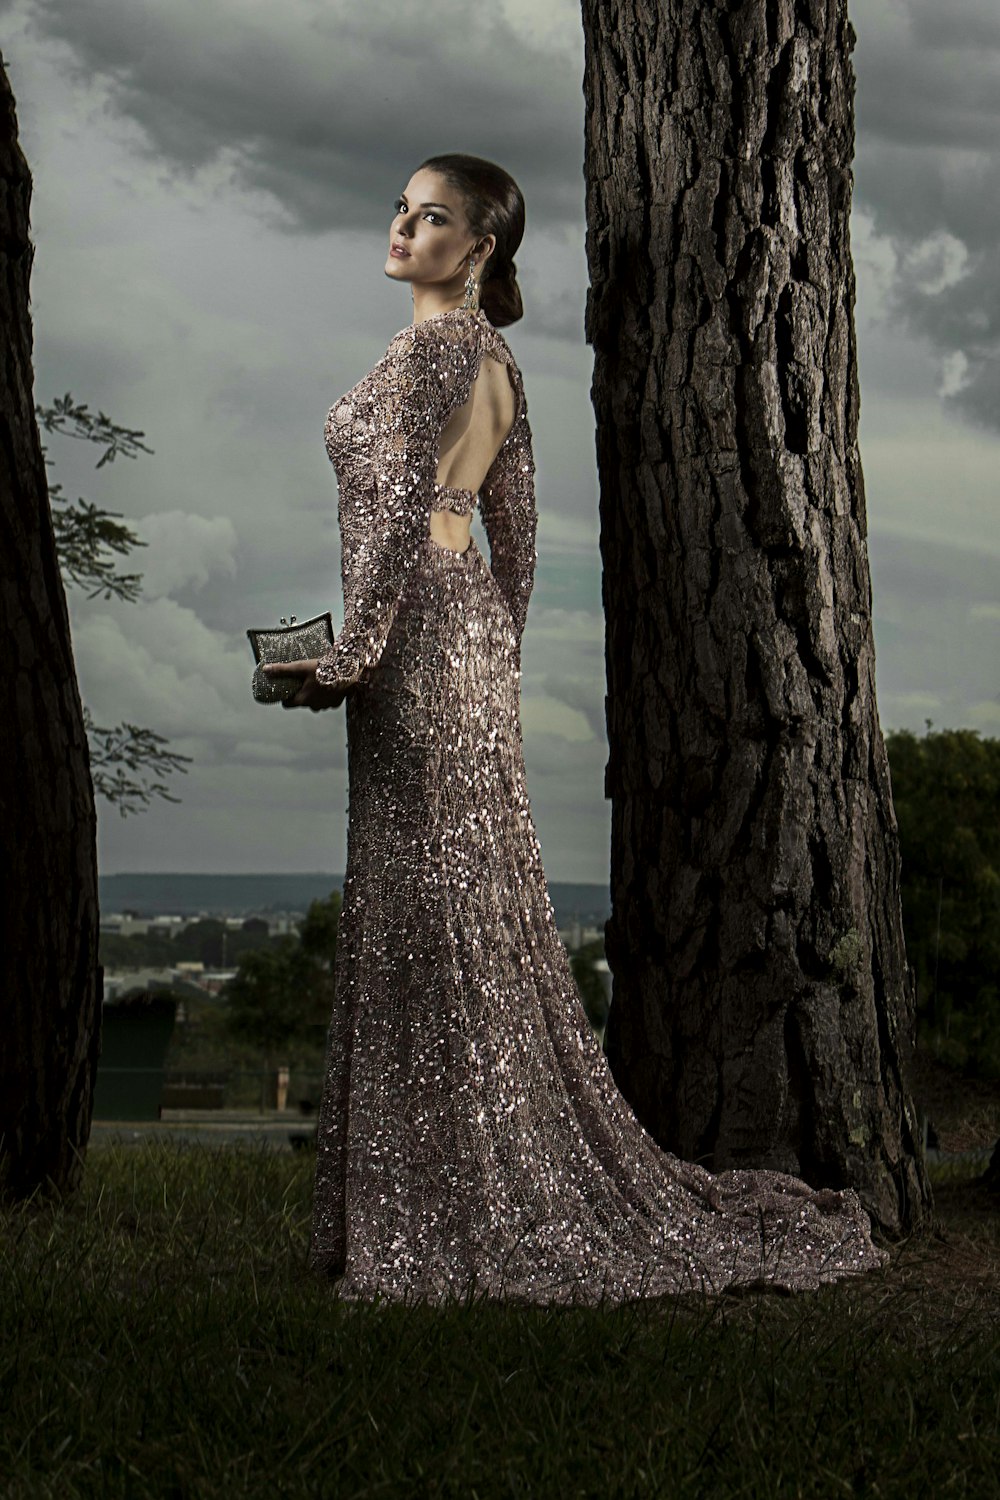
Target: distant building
[604, 969]
[131, 924]
[167, 926]
[119, 982]
[214, 980]
[284, 921]
[124, 923]
[576, 936]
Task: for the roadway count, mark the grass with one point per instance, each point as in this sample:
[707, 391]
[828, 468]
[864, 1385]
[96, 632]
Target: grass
[162, 1337]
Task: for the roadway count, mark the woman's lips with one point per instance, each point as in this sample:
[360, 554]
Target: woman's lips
[399, 252]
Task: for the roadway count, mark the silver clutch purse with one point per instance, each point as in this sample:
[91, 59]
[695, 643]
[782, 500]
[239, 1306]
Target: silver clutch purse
[288, 641]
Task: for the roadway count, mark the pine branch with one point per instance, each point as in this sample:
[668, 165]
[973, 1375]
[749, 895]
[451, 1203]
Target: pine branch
[115, 753]
[84, 533]
[78, 421]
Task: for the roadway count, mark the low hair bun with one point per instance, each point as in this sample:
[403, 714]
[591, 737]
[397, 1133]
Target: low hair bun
[500, 295]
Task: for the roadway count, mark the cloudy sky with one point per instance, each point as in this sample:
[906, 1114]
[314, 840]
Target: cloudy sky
[213, 181]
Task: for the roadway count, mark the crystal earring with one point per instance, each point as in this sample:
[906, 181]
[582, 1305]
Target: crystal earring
[471, 303]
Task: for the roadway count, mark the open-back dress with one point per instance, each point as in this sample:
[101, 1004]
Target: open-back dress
[471, 1138]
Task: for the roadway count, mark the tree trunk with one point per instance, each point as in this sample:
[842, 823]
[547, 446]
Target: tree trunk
[763, 1007]
[49, 977]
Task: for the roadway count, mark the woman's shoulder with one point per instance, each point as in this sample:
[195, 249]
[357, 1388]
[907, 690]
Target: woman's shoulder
[449, 344]
[457, 326]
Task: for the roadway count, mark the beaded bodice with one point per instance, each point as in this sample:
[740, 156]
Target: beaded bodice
[383, 439]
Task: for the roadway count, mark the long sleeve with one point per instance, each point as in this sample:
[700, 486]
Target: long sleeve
[507, 505]
[425, 376]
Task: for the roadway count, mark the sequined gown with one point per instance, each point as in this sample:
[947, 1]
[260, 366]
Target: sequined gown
[471, 1137]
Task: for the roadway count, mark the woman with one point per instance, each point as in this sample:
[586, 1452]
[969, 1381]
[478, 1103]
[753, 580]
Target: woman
[471, 1137]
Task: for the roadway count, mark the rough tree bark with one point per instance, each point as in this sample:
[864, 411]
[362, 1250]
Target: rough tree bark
[763, 1007]
[49, 978]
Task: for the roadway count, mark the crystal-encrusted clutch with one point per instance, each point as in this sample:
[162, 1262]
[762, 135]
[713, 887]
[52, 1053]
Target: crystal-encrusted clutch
[287, 642]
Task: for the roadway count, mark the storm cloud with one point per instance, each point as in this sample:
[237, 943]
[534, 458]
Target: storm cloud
[928, 172]
[323, 106]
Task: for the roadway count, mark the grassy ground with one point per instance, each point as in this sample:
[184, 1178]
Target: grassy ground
[162, 1337]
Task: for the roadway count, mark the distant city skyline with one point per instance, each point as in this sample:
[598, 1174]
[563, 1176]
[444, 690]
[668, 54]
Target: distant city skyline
[183, 894]
[212, 189]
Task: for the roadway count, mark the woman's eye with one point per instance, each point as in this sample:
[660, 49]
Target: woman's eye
[400, 207]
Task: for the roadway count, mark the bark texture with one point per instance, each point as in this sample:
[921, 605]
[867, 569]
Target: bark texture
[49, 978]
[763, 1007]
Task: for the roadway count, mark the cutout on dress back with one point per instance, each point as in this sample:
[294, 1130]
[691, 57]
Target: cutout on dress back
[469, 450]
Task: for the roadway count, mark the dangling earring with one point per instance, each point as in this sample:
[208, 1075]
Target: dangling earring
[471, 303]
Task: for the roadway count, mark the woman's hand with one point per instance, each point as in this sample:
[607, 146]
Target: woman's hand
[312, 694]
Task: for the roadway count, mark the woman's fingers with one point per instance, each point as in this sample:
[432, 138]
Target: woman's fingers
[290, 668]
[312, 694]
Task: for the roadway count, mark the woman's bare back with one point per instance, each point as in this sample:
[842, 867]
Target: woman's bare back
[470, 441]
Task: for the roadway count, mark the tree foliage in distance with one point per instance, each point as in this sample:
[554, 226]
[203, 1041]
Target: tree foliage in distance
[127, 762]
[318, 930]
[590, 982]
[206, 940]
[273, 997]
[946, 792]
[281, 994]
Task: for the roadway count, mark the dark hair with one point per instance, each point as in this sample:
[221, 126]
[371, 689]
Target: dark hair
[493, 205]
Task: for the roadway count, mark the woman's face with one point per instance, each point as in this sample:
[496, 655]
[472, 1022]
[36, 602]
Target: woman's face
[429, 239]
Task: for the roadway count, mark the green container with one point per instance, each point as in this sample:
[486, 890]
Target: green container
[135, 1035]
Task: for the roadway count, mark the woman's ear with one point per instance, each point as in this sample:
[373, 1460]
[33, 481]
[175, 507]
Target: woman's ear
[485, 247]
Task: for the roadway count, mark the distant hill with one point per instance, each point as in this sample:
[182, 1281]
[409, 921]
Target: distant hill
[242, 895]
